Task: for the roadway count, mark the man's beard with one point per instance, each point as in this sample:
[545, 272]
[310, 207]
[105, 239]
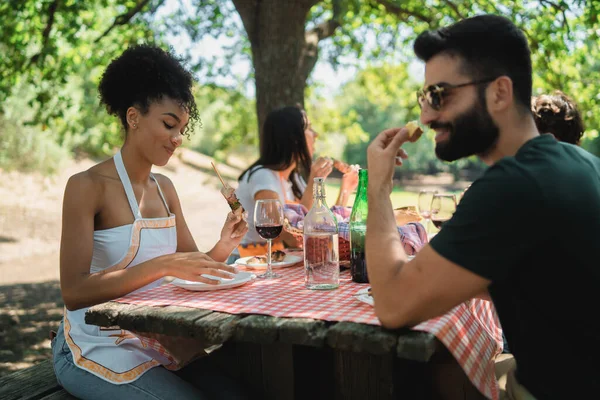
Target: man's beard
[473, 132]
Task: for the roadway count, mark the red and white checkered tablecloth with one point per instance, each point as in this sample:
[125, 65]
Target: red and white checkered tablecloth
[470, 331]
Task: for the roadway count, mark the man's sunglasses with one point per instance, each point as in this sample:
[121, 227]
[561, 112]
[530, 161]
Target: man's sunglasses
[434, 95]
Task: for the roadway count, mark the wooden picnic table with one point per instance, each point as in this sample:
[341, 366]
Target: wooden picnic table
[295, 358]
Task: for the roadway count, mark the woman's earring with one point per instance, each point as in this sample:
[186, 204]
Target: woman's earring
[135, 125]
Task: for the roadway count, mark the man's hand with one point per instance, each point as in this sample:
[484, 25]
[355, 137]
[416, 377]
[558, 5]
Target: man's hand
[383, 154]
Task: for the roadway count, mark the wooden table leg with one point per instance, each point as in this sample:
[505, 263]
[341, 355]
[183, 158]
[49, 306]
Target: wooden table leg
[281, 371]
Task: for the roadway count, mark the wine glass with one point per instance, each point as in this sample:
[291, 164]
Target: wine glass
[424, 206]
[268, 222]
[443, 206]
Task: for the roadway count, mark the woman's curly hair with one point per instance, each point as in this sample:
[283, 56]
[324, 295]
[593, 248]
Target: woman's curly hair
[557, 114]
[142, 75]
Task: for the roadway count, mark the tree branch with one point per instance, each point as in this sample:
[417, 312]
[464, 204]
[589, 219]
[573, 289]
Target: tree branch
[123, 19]
[320, 32]
[454, 8]
[46, 32]
[561, 8]
[402, 12]
[552, 4]
[326, 29]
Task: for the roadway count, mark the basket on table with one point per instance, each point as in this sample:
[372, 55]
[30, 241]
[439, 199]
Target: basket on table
[412, 233]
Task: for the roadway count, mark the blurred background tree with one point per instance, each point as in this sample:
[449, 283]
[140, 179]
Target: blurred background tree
[53, 52]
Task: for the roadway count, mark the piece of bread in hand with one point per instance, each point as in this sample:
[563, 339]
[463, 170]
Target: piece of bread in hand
[414, 131]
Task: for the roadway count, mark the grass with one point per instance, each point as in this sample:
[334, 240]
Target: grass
[399, 196]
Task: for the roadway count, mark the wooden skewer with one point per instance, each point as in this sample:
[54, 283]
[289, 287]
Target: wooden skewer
[218, 174]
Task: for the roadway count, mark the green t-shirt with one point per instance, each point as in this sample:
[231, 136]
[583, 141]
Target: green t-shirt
[531, 225]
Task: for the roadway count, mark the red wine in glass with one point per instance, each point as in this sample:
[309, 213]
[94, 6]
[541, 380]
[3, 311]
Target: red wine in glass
[269, 231]
[268, 222]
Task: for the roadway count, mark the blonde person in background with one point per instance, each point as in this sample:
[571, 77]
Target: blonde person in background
[123, 231]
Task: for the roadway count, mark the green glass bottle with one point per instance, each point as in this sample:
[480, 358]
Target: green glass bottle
[358, 230]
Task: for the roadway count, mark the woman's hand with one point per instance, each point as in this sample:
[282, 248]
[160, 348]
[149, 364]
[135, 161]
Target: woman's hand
[194, 265]
[234, 229]
[321, 168]
[349, 184]
[350, 179]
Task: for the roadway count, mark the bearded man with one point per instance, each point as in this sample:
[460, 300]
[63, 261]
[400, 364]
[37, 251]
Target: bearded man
[526, 231]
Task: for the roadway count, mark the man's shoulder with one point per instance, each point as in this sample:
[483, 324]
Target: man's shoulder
[509, 171]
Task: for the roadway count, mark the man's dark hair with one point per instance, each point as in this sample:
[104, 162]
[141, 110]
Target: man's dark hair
[557, 114]
[282, 142]
[489, 46]
[142, 75]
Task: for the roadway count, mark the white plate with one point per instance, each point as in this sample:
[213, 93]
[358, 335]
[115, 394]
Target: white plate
[287, 262]
[240, 279]
[363, 295]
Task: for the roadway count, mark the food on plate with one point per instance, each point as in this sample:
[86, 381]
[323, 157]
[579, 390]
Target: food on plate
[257, 260]
[278, 256]
[405, 215]
[414, 131]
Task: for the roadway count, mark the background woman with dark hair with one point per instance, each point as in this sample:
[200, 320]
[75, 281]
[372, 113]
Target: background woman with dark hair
[284, 171]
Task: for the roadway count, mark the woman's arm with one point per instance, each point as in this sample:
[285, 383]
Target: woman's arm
[348, 185]
[321, 168]
[80, 288]
[233, 230]
[232, 233]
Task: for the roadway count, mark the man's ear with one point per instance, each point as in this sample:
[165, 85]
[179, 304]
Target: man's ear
[133, 115]
[500, 94]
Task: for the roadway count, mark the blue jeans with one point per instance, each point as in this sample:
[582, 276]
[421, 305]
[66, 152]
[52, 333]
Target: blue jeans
[157, 383]
[232, 258]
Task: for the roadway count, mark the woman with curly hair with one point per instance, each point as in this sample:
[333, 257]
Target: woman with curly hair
[123, 231]
[558, 115]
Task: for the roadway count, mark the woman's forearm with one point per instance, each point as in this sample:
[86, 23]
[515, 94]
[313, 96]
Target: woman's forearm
[343, 197]
[220, 252]
[100, 287]
[307, 196]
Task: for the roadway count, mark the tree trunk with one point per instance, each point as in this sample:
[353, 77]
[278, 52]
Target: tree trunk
[281, 56]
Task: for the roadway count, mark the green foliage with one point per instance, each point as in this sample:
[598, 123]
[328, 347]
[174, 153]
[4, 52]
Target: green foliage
[24, 148]
[52, 54]
[228, 119]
